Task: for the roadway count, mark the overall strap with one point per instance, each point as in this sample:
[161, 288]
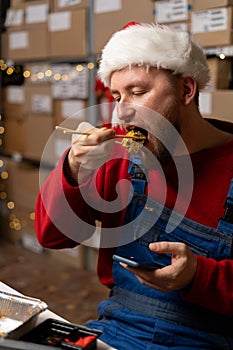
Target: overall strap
[225, 224]
[137, 172]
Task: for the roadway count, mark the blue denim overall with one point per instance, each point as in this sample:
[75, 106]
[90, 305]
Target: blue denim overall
[139, 317]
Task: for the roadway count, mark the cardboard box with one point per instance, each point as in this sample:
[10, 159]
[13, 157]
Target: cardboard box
[217, 104]
[63, 5]
[36, 12]
[213, 27]
[70, 113]
[14, 136]
[38, 130]
[13, 100]
[22, 184]
[173, 11]
[28, 44]
[210, 4]
[38, 99]
[5, 46]
[16, 4]
[220, 73]
[110, 16]
[67, 34]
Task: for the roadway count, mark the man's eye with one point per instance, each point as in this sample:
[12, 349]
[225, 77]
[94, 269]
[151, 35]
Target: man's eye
[136, 93]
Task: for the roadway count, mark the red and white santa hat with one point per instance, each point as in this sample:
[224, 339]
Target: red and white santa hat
[154, 45]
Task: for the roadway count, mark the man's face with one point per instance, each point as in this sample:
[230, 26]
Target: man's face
[141, 94]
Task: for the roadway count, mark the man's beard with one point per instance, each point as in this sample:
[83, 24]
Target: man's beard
[163, 142]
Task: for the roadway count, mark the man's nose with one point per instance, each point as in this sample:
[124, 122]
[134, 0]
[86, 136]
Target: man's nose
[125, 111]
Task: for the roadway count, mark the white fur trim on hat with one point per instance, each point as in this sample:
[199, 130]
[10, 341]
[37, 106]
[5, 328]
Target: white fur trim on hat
[156, 46]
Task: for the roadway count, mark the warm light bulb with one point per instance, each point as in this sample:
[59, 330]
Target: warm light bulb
[3, 195]
[32, 215]
[26, 74]
[90, 65]
[10, 70]
[64, 77]
[10, 205]
[48, 73]
[57, 76]
[40, 75]
[4, 175]
[79, 67]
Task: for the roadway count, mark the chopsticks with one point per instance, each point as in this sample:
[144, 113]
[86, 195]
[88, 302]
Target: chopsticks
[70, 131]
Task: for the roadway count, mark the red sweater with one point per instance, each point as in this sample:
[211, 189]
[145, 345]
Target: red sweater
[213, 171]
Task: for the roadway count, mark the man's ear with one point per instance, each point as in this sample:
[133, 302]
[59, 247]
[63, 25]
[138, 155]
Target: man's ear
[189, 90]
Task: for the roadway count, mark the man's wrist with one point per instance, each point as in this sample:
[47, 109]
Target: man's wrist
[68, 174]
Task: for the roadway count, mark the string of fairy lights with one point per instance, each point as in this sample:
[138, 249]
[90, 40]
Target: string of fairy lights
[45, 71]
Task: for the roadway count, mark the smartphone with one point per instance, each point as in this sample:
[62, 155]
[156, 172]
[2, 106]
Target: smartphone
[131, 261]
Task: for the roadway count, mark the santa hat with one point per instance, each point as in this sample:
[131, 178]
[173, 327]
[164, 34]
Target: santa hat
[155, 46]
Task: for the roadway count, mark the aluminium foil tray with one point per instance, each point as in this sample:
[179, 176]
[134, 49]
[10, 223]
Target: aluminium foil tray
[18, 313]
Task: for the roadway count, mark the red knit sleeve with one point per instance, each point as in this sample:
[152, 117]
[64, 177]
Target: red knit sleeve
[61, 215]
[212, 286]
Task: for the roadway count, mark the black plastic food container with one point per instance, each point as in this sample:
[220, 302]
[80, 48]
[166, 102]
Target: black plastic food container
[63, 335]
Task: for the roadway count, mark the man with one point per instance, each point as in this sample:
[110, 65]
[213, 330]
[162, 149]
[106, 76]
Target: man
[183, 168]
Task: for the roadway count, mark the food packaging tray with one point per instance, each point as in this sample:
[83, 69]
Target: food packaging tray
[63, 335]
[18, 313]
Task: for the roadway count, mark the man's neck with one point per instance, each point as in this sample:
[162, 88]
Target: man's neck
[198, 134]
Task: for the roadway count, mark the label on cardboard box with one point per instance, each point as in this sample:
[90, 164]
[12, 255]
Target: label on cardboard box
[18, 40]
[14, 17]
[76, 86]
[15, 94]
[179, 26]
[64, 3]
[36, 13]
[41, 103]
[59, 21]
[102, 6]
[62, 90]
[209, 21]
[65, 90]
[171, 11]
